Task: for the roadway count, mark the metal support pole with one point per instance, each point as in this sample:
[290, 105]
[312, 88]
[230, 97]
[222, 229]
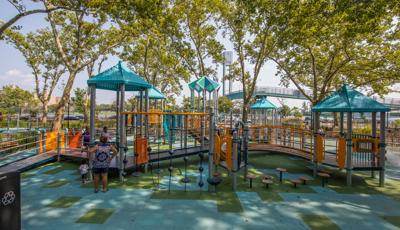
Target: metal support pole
[58, 145]
[235, 160]
[118, 105]
[315, 133]
[211, 167]
[203, 121]
[38, 142]
[146, 118]
[141, 110]
[223, 79]
[349, 166]
[92, 114]
[373, 126]
[245, 141]
[341, 124]
[382, 151]
[122, 132]
[66, 145]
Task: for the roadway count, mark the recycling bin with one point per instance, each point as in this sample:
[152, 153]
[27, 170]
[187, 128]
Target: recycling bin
[10, 203]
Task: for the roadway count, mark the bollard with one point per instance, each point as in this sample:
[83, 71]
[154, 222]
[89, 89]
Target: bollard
[44, 136]
[58, 145]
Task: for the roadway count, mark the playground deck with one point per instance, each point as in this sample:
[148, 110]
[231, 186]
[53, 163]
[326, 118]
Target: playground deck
[330, 159]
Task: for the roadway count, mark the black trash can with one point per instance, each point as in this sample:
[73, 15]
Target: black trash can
[10, 203]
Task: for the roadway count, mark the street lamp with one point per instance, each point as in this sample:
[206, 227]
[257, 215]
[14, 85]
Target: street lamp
[227, 61]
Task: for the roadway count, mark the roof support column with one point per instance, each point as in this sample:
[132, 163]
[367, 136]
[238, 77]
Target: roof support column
[92, 124]
[373, 134]
[341, 124]
[146, 118]
[141, 110]
[382, 150]
[118, 103]
[203, 121]
[315, 131]
[92, 113]
[122, 131]
[349, 166]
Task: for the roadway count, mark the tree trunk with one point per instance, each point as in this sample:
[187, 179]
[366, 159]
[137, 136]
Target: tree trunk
[64, 100]
[245, 111]
[45, 108]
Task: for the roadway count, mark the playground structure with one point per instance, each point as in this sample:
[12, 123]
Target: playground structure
[153, 134]
[261, 109]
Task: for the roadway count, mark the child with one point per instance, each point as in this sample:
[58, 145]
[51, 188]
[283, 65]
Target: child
[83, 169]
[86, 139]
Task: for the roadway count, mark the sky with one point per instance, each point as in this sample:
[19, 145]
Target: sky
[13, 69]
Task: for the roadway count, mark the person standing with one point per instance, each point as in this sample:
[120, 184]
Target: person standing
[101, 155]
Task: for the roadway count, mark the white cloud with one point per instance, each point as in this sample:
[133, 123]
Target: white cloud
[17, 77]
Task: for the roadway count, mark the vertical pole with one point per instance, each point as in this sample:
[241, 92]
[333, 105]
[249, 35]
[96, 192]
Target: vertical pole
[66, 145]
[92, 113]
[146, 118]
[117, 117]
[141, 110]
[382, 151]
[341, 124]
[211, 168]
[122, 131]
[349, 146]
[245, 141]
[92, 125]
[315, 132]
[58, 145]
[203, 121]
[38, 139]
[373, 125]
[235, 159]
[223, 79]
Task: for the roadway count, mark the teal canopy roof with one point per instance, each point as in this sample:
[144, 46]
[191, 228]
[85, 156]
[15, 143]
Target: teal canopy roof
[262, 103]
[154, 93]
[114, 77]
[204, 83]
[349, 100]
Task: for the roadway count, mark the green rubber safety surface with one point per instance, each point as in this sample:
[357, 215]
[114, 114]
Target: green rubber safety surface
[96, 216]
[394, 220]
[319, 222]
[56, 183]
[64, 202]
[226, 201]
[54, 170]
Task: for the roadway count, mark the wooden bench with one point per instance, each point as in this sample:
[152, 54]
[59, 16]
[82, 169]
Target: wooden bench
[305, 179]
[295, 182]
[267, 182]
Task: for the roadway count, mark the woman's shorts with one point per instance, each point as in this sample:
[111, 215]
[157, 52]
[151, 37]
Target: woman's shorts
[100, 170]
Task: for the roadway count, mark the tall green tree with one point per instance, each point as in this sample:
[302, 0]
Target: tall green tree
[193, 30]
[41, 56]
[79, 103]
[80, 41]
[152, 56]
[323, 44]
[224, 105]
[20, 6]
[13, 99]
[250, 26]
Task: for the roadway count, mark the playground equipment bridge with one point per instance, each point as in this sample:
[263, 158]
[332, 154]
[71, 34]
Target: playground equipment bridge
[393, 103]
